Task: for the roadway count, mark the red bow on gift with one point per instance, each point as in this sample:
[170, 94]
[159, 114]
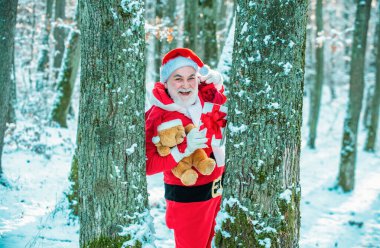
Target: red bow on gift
[214, 121]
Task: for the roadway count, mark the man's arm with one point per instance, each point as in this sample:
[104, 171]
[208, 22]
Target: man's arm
[212, 88]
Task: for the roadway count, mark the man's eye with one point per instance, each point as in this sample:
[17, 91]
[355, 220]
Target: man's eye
[191, 78]
[177, 79]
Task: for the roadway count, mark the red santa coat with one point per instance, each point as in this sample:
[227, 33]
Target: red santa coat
[193, 222]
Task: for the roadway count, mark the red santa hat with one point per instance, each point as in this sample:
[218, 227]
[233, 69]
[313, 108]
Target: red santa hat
[180, 57]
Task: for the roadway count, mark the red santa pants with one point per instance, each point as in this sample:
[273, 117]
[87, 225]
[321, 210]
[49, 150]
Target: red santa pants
[193, 223]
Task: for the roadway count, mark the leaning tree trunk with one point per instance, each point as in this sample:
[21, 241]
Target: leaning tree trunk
[8, 13]
[43, 58]
[59, 34]
[374, 120]
[346, 178]
[66, 79]
[110, 141]
[208, 32]
[316, 92]
[262, 189]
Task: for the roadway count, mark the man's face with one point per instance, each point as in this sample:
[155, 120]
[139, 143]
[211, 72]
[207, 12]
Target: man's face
[182, 86]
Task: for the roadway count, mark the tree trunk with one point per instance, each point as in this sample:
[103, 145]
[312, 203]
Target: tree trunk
[225, 17]
[33, 33]
[348, 27]
[262, 190]
[310, 57]
[191, 25]
[208, 33]
[367, 106]
[158, 43]
[8, 13]
[43, 58]
[316, 93]
[59, 35]
[110, 141]
[332, 48]
[374, 121]
[66, 79]
[11, 116]
[346, 178]
[165, 21]
[169, 16]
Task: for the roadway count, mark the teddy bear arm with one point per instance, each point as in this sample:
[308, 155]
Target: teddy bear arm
[163, 150]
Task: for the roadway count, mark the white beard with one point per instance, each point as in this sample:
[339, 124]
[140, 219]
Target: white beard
[174, 95]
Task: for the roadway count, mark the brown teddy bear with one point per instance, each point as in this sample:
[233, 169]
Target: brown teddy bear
[173, 136]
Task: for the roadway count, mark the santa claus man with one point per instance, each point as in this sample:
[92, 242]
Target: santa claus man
[185, 85]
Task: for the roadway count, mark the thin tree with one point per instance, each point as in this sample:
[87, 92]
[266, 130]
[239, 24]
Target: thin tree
[59, 34]
[113, 198]
[8, 13]
[191, 25]
[43, 57]
[374, 116]
[207, 34]
[11, 116]
[346, 177]
[316, 92]
[262, 188]
[348, 27]
[66, 79]
[166, 30]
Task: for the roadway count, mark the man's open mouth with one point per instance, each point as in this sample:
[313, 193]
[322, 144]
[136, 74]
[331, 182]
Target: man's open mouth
[185, 93]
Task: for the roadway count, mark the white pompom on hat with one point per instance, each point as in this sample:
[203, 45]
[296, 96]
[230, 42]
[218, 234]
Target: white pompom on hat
[180, 57]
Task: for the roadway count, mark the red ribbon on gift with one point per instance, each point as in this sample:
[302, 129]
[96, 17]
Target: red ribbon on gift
[214, 121]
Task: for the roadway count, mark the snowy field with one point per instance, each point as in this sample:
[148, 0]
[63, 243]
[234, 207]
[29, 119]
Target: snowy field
[34, 213]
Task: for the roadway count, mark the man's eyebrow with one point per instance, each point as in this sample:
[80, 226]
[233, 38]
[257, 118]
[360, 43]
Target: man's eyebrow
[192, 75]
[177, 75]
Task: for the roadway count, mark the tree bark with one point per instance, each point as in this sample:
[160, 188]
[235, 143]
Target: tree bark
[374, 120]
[59, 34]
[8, 14]
[66, 79]
[262, 189]
[43, 58]
[346, 178]
[316, 93]
[110, 141]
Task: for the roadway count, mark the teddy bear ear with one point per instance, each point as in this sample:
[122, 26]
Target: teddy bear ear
[156, 139]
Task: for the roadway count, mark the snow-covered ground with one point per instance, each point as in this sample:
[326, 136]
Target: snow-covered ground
[34, 213]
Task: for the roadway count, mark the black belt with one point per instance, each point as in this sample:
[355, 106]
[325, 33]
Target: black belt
[199, 193]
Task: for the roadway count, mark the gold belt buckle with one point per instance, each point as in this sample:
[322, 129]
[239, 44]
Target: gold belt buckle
[217, 188]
